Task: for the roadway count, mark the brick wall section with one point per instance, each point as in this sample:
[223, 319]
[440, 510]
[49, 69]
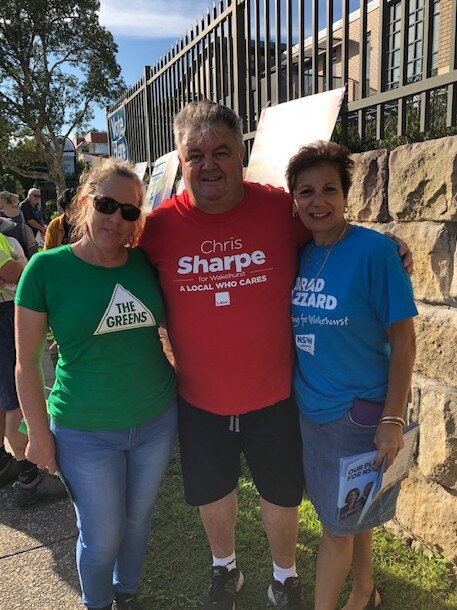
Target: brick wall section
[445, 36]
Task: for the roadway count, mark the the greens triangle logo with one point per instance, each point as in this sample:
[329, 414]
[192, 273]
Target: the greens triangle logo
[124, 312]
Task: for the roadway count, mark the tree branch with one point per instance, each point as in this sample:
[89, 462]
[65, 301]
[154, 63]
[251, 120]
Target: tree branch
[24, 172]
[41, 91]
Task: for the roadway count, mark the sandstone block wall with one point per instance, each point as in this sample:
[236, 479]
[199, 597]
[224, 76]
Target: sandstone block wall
[412, 192]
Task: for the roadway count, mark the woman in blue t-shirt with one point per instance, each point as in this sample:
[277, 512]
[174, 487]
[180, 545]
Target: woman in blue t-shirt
[352, 310]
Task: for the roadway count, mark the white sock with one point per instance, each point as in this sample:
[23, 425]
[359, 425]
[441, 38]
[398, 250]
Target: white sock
[282, 574]
[227, 562]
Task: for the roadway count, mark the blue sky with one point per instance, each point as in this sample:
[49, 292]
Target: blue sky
[144, 31]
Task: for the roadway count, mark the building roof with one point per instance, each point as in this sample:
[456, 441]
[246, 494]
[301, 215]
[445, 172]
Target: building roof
[91, 137]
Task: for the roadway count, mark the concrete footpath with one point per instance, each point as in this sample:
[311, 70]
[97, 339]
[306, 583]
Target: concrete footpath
[37, 551]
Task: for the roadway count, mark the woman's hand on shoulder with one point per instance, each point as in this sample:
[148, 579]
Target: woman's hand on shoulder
[388, 440]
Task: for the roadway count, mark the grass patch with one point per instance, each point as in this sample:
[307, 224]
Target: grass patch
[178, 561]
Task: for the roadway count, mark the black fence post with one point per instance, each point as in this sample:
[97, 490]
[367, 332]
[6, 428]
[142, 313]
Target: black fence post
[239, 59]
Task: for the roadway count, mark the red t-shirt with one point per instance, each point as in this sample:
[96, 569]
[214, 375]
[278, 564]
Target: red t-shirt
[227, 281]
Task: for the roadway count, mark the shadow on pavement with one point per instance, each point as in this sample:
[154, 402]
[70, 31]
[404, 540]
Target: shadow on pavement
[37, 557]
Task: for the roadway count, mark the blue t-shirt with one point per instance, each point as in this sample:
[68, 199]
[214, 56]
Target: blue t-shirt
[340, 320]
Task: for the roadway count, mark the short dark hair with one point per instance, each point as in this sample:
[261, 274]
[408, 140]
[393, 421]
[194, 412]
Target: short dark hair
[316, 154]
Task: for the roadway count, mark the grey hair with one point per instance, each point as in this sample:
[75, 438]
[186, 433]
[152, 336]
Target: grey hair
[203, 116]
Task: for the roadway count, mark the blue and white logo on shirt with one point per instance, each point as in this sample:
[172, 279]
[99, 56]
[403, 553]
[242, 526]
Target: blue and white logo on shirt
[305, 343]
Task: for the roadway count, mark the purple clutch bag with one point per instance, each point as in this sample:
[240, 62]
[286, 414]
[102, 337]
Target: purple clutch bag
[365, 412]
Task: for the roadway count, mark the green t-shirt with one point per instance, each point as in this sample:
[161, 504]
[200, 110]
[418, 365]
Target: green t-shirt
[111, 372]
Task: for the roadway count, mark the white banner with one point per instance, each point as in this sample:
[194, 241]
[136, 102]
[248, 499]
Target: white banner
[284, 128]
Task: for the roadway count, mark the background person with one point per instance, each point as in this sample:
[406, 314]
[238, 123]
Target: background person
[31, 208]
[9, 208]
[12, 262]
[13, 467]
[59, 229]
[352, 310]
[112, 406]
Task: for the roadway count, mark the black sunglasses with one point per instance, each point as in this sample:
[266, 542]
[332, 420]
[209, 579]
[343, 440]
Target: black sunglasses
[106, 205]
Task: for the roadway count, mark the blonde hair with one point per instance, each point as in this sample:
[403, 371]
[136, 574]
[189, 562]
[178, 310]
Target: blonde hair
[90, 181]
[9, 198]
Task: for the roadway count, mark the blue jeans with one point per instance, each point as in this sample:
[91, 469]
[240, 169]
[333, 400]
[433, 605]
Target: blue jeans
[114, 478]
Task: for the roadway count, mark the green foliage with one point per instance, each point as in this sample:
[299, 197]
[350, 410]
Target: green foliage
[20, 146]
[436, 108]
[55, 62]
[178, 561]
[50, 210]
[9, 182]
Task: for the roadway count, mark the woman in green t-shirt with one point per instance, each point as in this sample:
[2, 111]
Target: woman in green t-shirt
[112, 406]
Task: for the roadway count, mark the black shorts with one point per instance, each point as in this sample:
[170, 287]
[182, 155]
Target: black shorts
[211, 447]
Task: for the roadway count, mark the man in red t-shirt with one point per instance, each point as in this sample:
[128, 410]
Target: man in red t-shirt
[226, 253]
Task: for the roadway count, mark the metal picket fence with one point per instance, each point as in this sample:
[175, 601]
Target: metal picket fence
[398, 59]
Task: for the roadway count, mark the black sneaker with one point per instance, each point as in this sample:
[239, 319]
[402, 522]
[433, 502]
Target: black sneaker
[224, 587]
[44, 486]
[126, 601]
[286, 596]
[9, 471]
